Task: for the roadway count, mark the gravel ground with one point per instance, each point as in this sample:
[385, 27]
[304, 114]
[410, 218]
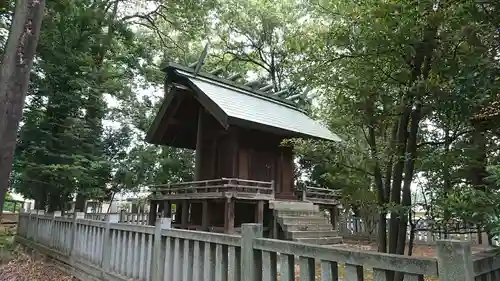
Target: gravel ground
[31, 268]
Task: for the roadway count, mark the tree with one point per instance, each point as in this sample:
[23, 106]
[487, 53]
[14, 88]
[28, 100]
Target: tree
[389, 82]
[14, 78]
[86, 57]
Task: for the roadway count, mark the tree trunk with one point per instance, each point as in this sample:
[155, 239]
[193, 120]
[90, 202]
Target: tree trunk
[382, 231]
[80, 203]
[377, 175]
[413, 227]
[478, 167]
[411, 153]
[398, 174]
[41, 199]
[14, 79]
[446, 180]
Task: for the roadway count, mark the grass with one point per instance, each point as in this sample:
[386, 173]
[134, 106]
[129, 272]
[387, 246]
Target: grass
[6, 244]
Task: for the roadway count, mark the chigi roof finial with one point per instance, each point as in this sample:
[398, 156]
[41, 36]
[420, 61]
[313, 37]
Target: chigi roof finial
[260, 86]
[201, 60]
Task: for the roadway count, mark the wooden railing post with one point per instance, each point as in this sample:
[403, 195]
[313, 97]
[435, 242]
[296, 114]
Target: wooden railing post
[158, 259]
[454, 260]
[250, 262]
[304, 197]
[37, 221]
[30, 225]
[273, 188]
[76, 217]
[53, 233]
[18, 226]
[107, 246]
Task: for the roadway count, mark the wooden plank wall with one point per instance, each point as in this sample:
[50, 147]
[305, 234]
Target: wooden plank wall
[245, 154]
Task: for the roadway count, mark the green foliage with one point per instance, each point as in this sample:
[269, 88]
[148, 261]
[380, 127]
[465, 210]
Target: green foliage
[363, 60]
[11, 206]
[87, 58]
[370, 64]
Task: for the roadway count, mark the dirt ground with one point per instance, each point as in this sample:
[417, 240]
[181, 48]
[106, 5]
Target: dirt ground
[418, 250]
[25, 267]
[16, 265]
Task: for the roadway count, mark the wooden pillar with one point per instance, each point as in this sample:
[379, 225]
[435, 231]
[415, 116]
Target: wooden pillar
[178, 212]
[160, 208]
[229, 216]
[259, 212]
[185, 214]
[152, 213]
[195, 213]
[333, 217]
[274, 225]
[199, 144]
[205, 216]
[167, 209]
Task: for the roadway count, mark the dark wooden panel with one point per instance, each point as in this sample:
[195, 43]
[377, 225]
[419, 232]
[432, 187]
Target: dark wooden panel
[243, 164]
[234, 148]
[287, 173]
[224, 157]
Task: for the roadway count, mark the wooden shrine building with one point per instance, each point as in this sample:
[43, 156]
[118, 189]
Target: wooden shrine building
[237, 131]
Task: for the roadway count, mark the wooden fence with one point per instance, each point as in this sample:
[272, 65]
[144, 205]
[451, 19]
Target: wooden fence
[424, 233]
[97, 250]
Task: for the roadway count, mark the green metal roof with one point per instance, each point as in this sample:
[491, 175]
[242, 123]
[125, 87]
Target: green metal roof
[244, 105]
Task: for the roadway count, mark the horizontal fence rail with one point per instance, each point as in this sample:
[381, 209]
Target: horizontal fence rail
[123, 217]
[108, 250]
[320, 195]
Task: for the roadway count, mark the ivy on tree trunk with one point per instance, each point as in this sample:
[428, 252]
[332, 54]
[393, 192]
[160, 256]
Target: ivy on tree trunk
[14, 79]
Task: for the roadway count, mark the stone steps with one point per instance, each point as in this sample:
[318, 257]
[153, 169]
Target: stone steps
[306, 224]
[306, 227]
[293, 206]
[304, 220]
[293, 234]
[320, 240]
[293, 213]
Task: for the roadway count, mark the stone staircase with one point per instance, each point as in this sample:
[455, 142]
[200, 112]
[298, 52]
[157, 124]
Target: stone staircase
[303, 222]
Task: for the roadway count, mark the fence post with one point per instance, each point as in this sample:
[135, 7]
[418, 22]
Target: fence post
[31, 225]
[158, 258]
[454, 260]
[106, 246]
[76, 217]
[53, 234]
[37, 221]
[18, 226]
[29, 231]
[249, 260]
[122, 216]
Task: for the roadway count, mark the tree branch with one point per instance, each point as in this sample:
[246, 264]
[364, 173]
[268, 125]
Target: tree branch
[453, 138]
[247, 58]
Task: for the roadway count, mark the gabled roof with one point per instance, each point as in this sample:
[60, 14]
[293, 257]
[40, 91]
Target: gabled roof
[232, 104]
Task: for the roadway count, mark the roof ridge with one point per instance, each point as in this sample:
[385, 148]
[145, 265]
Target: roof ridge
[239, 87]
